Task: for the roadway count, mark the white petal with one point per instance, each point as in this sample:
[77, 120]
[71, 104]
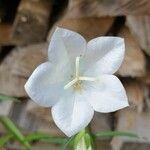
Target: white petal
[107, 94]
[72, 113]
[45, 85]
[104, 55]
[65, 44]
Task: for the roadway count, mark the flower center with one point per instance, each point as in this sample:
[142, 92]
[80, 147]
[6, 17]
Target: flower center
[76, 82]
[77, 86]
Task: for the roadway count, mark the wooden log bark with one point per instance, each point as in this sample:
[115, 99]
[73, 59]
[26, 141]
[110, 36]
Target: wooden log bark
[10, 85]
[31, 22]
[146, 78]
[130, 121]
[140, 28]
[18, 66]
[147, 96]
[5, 34]
[28, 58]
[7, 105]
[101, 122]
[97, 26]
[98, 8]
[134, 64]
[135, 92]
[36, 118]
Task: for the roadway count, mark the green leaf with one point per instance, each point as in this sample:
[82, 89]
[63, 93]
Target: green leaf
[10, 126]
[36, 136]
[67, 143]
[115, 133]
[8, 98]
[5, 139]
[89, 141]
[78, 138]
[84, 139]
[45, 138]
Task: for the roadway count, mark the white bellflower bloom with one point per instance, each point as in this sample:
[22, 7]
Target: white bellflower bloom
[77, 80]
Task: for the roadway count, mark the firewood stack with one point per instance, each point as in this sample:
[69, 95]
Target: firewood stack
[24, 39]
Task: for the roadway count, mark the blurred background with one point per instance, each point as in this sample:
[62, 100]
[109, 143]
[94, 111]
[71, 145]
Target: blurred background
[26, 27]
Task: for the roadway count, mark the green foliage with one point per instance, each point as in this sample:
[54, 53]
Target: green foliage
[78, 138]
[115, 133]
[15, 133]
[85, 139]
[5, 139]
[6, 98]
[12, 129]
[45, 138]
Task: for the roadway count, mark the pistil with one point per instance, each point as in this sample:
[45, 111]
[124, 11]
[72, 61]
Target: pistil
[77, 67]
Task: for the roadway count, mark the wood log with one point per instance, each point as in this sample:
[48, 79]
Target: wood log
[97, 8]
[134, 64]
[10, 85]
[18, 66]
[147, 96]
[31, 22]
[5, 107]
[130, 121]
[0, 49]
[46, 146]
[28, 58]
[5, 34]
[101, 122]
[140, 28]
[35, 146]
[136, 93]
[100, 26]
[36, 118]
[146, 78]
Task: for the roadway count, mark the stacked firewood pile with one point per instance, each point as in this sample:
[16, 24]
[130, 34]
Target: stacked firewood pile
[25, 32]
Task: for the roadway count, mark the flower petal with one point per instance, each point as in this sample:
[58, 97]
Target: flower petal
[45, 85]
[106, 95]
[65, 44]
[72, 113]
[104, 55]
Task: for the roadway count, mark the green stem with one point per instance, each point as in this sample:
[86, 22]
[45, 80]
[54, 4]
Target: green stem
[84, 140]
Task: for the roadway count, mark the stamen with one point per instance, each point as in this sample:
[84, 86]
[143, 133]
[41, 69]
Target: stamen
[78, 78]
[87, 79]
[70, 83]
[77, 67]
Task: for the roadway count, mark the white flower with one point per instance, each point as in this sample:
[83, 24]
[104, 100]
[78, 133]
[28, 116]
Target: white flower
[78, 79]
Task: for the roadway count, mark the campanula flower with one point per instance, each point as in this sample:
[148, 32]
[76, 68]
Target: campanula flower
[78, 79]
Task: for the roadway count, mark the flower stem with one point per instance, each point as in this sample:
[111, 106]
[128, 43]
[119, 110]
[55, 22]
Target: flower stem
[84, 140]
[77, 67]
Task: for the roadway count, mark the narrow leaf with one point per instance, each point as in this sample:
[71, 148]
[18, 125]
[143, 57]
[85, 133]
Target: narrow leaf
[36, 136]
[5, 139]
[115, 133]
[45, 138]
[8, 98]
[10, 126]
